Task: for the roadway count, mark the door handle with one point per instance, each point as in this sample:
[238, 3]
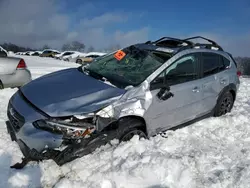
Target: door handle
[196, 90]
[223, 81]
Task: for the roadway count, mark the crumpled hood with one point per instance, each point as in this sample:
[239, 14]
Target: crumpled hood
[69, 92]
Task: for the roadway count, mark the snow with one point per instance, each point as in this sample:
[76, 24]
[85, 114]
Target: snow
[96, 53]
[214, 152]
[51, 50]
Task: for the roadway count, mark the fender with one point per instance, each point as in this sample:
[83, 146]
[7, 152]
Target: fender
[231, 87]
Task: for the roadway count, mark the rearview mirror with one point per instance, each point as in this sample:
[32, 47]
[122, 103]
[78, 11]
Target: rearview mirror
[158, 85]
[164, 93]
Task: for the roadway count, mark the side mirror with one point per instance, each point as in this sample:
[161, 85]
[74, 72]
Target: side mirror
[164, 93]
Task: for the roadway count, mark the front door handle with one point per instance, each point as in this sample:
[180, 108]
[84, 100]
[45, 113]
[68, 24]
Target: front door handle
[196, 89]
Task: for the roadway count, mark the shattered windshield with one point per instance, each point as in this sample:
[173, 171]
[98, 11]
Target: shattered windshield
[130, 66]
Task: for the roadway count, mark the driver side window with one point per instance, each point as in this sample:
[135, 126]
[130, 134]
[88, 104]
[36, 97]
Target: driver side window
[181, 71]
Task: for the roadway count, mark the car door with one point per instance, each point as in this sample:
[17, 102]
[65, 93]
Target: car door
[183, 78]
[214, 79]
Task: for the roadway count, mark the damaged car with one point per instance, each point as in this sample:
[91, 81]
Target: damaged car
[143, 89]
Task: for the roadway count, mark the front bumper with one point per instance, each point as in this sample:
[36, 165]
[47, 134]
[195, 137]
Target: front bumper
[69, 153]
[37, 144]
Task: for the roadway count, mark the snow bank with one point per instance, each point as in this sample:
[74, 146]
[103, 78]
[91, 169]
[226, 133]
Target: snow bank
[214, 152]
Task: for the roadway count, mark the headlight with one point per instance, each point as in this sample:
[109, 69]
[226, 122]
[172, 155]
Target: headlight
[69, 130]
[106, 112]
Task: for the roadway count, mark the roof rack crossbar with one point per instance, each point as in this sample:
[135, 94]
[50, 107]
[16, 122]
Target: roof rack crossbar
[189, 43]
[209, 40]
[174, 39]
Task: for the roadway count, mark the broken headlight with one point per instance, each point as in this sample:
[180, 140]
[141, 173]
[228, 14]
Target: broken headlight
[67, 129]
[106, 112]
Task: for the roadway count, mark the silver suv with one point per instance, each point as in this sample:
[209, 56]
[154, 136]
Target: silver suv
[143, 89]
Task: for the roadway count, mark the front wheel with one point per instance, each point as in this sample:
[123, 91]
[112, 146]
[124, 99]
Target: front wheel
[130, 134]
[129, 127]
[224, 104]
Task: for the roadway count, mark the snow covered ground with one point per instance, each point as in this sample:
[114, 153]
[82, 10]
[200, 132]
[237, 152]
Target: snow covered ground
[214, 152]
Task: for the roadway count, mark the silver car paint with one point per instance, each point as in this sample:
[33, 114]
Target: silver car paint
[10, 76]
[140, 101]
[70, 92]
[33, 138]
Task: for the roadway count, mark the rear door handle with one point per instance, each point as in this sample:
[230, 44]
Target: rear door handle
[196, 89]
[223, 81]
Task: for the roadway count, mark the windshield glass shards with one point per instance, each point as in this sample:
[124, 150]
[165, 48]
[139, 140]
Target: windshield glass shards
[129, 66]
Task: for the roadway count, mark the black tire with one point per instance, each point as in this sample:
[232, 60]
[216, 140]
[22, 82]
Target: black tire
[1, 85]
[79, 61]
[129, 127]
[224, 104]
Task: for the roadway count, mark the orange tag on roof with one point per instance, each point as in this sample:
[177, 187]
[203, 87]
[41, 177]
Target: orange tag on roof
[119, 55]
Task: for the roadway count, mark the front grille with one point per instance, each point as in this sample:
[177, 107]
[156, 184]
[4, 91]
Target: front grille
[16, 120]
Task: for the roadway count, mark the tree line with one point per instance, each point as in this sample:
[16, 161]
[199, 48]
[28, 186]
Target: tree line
[243, 65]
[71, 46]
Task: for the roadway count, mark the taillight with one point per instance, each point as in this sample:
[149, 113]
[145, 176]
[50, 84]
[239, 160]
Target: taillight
[238, 73]
[21, 64]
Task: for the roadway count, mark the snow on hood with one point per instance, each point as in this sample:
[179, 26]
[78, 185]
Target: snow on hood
[96, 53]
[76, 54]
[69, 92]
[51, 50]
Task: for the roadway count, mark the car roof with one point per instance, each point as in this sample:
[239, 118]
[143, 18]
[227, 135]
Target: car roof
[175, 45]
[152, 47]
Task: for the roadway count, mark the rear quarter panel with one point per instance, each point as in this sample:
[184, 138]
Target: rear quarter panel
[8, 65]
[18, 79]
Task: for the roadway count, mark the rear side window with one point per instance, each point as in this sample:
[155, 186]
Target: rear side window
[213, 63]
[226, 61]
[67, 53]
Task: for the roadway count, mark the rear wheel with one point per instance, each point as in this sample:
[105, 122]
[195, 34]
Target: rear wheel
[129, 127]
[224, 104]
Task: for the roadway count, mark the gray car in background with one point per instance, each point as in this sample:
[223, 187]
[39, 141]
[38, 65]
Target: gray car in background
[13, 72]
[143, 90]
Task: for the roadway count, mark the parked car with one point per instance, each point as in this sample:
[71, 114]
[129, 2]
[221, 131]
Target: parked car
[27, 53]
[142, 90]
[73, 57]
[61, 55]
[13, 72]
[67, 57]
[49, 53]
[89, 57]
[3, 52]
[36, 53]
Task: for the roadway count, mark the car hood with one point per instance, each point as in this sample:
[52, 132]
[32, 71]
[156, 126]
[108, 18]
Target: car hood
[69, 92]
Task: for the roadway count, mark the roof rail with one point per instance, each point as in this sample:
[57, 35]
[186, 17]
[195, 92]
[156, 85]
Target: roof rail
[173, 39]
[185, 43]
[213, 43]
[170, 41]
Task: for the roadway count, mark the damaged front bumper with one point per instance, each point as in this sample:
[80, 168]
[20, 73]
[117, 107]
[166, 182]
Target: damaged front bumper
[70, 152]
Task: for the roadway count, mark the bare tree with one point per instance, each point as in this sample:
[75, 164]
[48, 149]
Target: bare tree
[74, 46]
[113, 48]
[90, 49]
[66, 47]
[46, 47]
